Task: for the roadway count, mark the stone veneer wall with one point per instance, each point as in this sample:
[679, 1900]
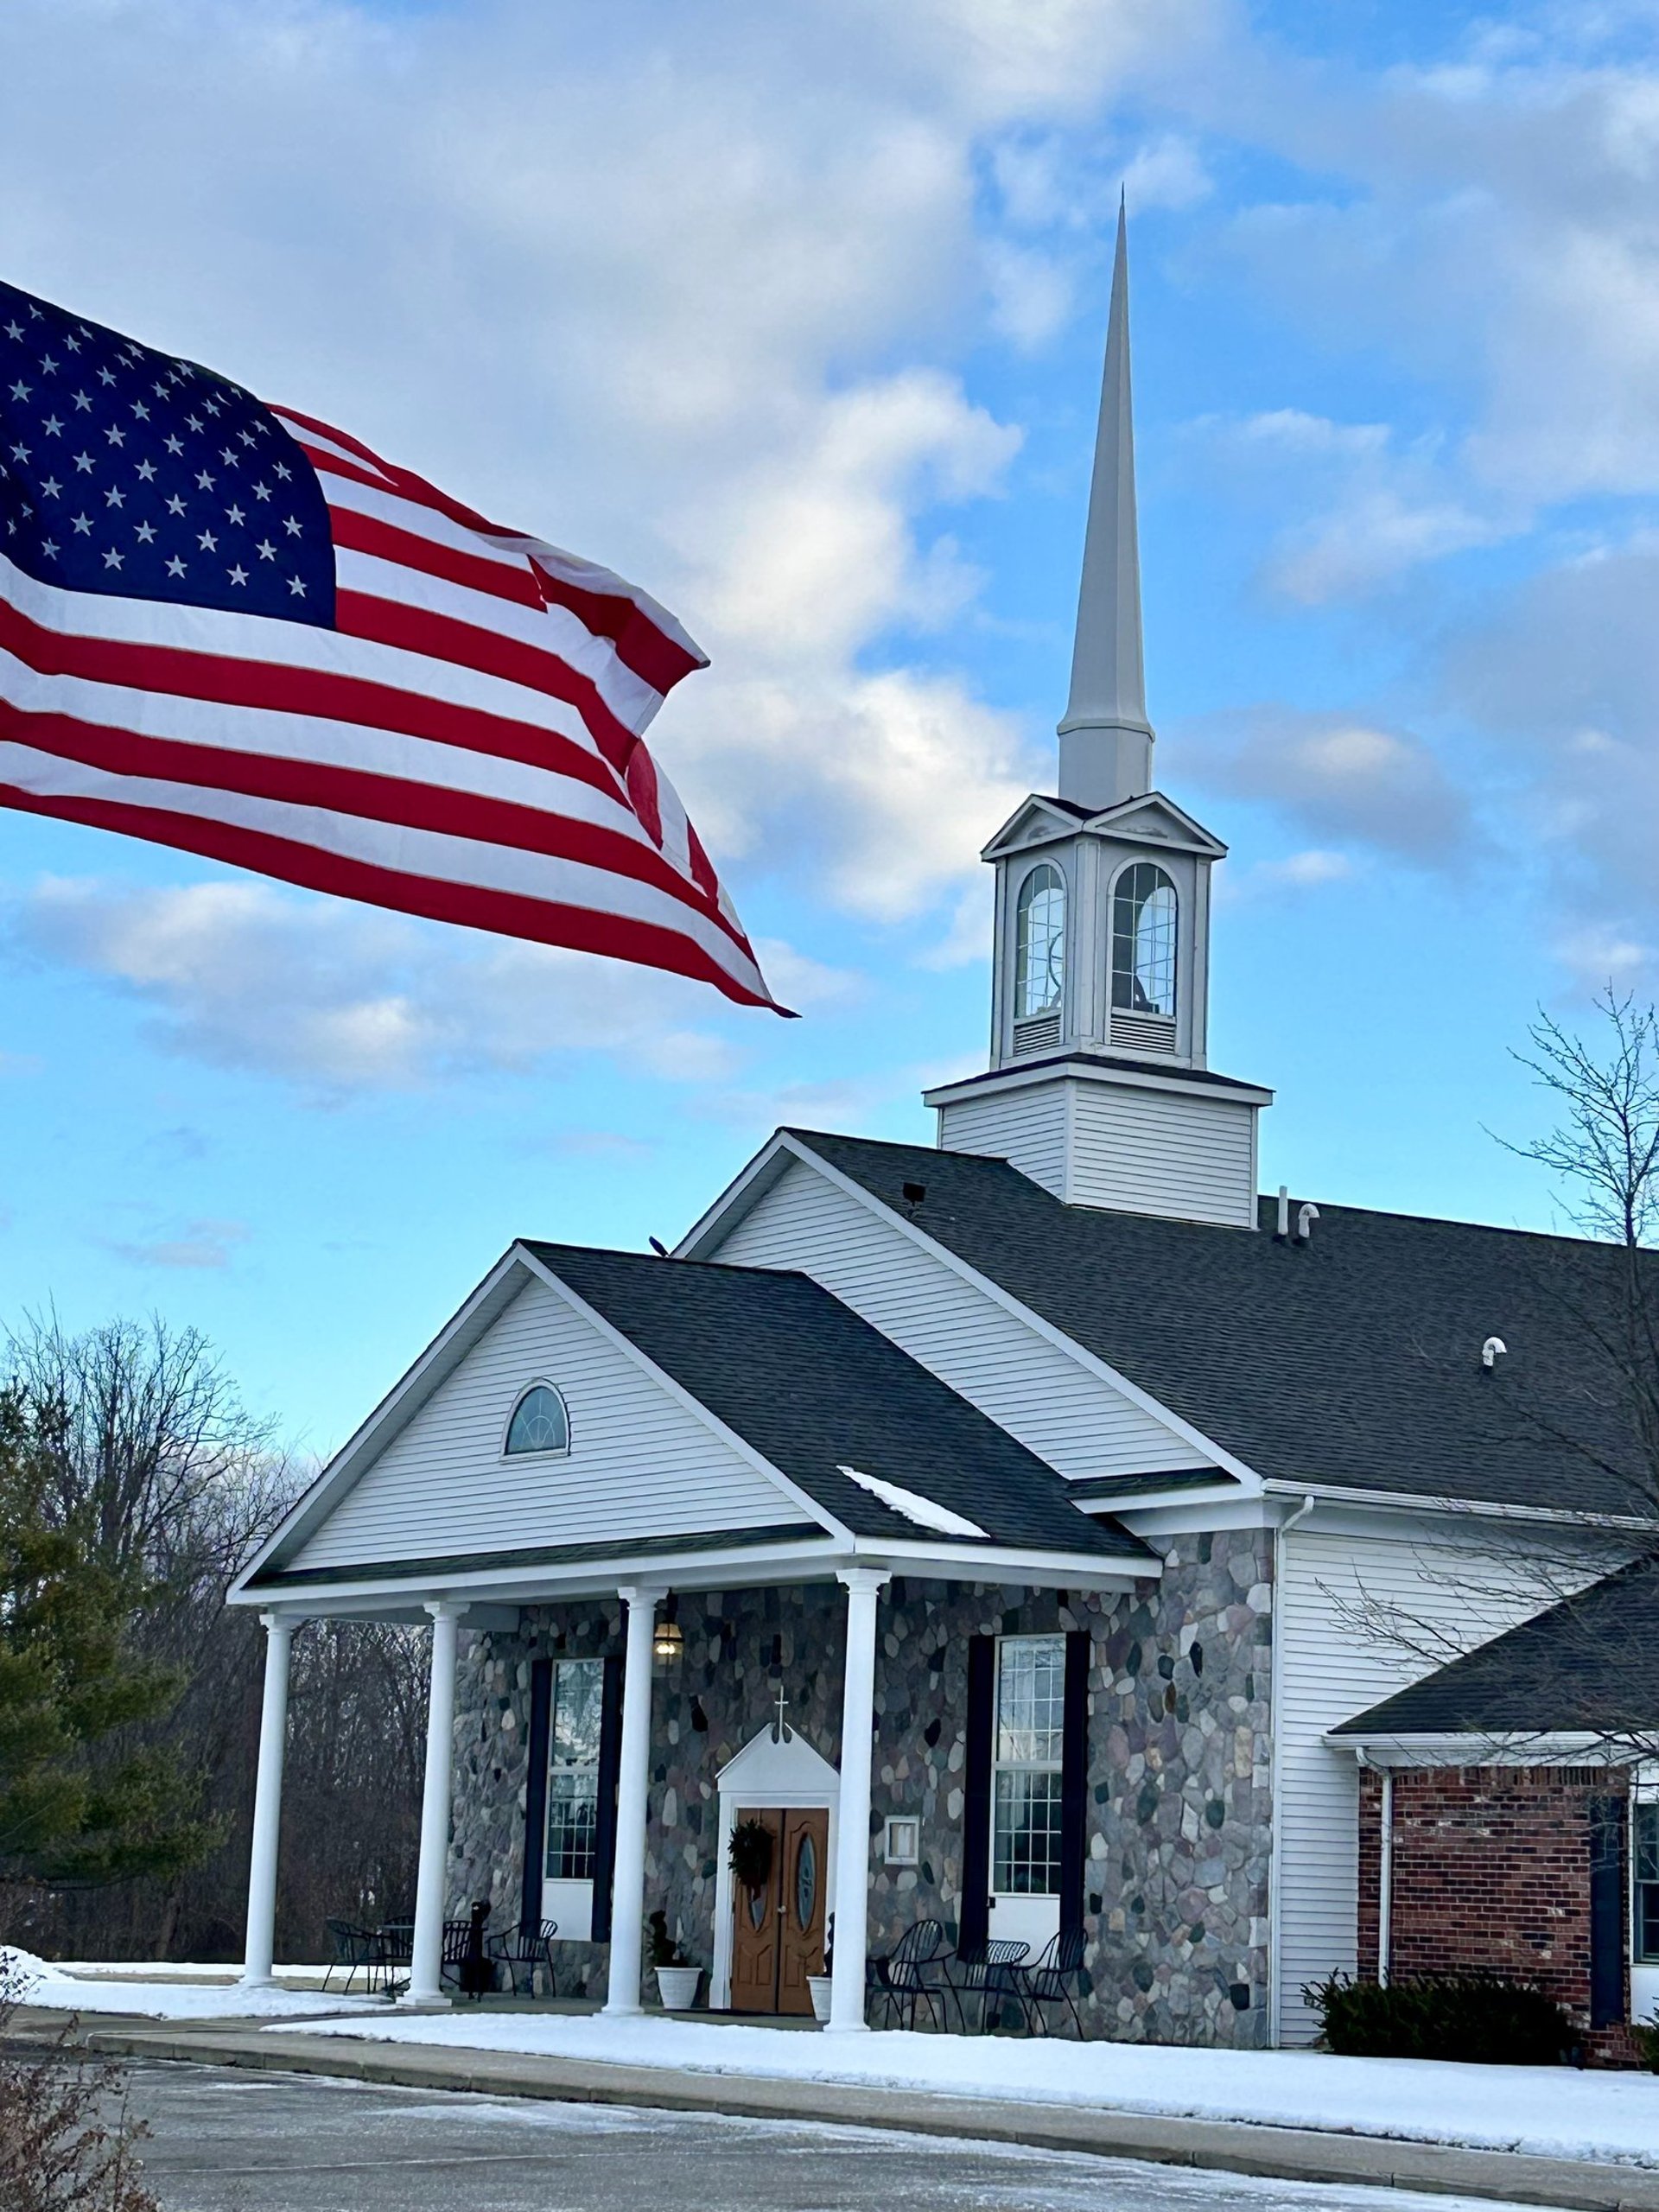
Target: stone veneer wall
[1179, 1803]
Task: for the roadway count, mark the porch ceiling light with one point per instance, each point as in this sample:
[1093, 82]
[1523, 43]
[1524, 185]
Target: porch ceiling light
[668, 1640]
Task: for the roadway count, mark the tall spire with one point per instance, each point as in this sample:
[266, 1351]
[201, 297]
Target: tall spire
[1105, 738]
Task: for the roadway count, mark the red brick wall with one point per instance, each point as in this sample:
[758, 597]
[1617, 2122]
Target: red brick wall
[1491, 1870]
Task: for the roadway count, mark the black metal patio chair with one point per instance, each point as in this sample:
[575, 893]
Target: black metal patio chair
[356, 1951]
[464, 1960]
[1058, 1970]
[989, 1971]
[528, 1946]
[902, 1976]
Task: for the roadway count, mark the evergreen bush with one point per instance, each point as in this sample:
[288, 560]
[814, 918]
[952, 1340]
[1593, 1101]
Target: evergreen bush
[1480, 2017]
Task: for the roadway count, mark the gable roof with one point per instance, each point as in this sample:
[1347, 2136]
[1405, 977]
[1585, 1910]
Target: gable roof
[1588, 1665]
[812, 1388]
[1351, 1360]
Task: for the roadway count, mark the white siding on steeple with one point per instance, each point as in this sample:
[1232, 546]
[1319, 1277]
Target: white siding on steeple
[640, 1465]
[1132, 1149]
[1038, 1393]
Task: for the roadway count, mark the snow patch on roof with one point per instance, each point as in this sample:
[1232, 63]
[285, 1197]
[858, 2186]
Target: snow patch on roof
[922, 1510]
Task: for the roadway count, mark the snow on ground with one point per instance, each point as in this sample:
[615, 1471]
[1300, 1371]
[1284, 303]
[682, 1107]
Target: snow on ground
[34, 1981]
[1549, 2111]
[178, 1970]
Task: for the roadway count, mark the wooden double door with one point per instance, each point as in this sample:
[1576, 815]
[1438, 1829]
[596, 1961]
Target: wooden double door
[777, 1930]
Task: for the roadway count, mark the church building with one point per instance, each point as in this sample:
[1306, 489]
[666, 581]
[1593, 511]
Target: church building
[995, 1525]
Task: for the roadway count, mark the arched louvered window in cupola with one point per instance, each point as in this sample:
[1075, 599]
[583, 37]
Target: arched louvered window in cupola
[1038, 958]
[1144, 919]
[539, 1422]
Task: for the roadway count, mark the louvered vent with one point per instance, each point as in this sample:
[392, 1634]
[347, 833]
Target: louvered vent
[1038, 1033]
[1144, 1032]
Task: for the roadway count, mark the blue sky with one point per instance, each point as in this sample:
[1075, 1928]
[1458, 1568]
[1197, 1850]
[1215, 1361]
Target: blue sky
[796, 316]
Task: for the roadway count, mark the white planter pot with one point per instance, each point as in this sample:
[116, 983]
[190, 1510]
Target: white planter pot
[678, 1988]
[819, 1986]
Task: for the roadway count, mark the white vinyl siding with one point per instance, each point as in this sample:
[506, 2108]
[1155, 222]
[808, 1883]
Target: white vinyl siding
[1056, 1406]
[639, 1464]
[1122, 1146]
[1166, 1152]
[1329, 1672]
[1027, 1128]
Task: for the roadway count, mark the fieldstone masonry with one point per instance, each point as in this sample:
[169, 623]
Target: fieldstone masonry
[1180, 1809]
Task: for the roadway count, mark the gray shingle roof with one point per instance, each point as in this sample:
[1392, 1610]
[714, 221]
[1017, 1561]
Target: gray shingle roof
[1352, 1360]
[1588, 1664]
[811, 1386]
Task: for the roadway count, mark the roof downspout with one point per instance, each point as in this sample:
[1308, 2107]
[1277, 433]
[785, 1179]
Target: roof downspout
[1385, 1882]
[1275, 2023]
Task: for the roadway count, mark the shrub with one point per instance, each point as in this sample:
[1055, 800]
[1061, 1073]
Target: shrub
[1479, 2017]
[664, 1949]
[1647, 2042]
[67, 2142]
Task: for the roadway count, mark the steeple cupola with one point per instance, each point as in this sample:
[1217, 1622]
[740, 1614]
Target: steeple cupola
[1099, 1084]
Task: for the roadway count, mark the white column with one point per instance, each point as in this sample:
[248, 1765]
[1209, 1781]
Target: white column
[633, 1782]
[426, 1963]
[268, 1806]
[853, 1812]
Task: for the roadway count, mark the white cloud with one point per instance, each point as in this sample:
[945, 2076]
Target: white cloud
[1341, 777]
[340, 998]
[1309, 870]
[191, 1244]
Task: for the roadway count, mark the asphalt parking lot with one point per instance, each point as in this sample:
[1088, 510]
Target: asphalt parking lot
[230, 2141]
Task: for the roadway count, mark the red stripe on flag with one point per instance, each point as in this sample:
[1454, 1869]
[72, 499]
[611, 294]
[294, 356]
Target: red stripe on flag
[655, 659]
[361, 533]
[185, 674]
[363, 793]
[578, 929]
[446, 637]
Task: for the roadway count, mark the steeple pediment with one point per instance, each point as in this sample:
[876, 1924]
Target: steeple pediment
[1036, 821]
[1156, 820]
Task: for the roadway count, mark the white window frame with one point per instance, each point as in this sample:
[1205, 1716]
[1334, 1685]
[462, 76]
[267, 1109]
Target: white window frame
[1645, 1973]
[1172, 1017]
[567, 1900]
[1024, 1914]
[555, 1452]
[1022, 893]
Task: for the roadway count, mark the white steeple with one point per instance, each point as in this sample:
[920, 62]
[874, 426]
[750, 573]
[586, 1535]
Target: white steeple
[1105, 738]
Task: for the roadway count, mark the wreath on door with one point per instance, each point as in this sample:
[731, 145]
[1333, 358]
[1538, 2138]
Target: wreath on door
[749, 1854]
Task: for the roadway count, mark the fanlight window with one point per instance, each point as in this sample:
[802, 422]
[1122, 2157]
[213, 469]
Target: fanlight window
[1143, 941]
[1039, 943]
[539, 1421]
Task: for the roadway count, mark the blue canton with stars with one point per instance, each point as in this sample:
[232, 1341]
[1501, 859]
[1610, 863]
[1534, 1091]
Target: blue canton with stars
[125, 472]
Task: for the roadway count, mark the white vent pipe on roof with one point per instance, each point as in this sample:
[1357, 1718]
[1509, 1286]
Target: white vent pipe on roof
[1284, 1209]
[1305, 1217]
[1491, 1351]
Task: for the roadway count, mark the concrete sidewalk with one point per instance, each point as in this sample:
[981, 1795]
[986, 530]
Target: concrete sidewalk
[1232, 2146]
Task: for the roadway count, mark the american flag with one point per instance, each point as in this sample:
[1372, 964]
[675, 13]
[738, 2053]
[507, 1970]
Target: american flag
[230, 627]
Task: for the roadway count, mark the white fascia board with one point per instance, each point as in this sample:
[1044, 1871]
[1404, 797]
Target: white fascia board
[1084, 1067]
[399, 1406]
[1189, 1516]
[388, 1598]
[735, 1201]
[1547, 1747]
[809, 1507]
[1208, 1449]
[1341, 1507]
[998, 1563]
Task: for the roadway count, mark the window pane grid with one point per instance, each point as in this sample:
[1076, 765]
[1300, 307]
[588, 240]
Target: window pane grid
[1646, 1871]
[573, 1769]
[1143, 941]
[1028, 1748]
[1040, 950]
[1028, 1856]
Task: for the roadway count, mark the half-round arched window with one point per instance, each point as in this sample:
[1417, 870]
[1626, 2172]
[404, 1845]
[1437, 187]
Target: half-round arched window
[1039, 942]
[539, 1421]
[1143, 941]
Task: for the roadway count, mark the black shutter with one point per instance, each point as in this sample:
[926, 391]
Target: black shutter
[1606, 1912]
[1074, 1778]
[541, 1718]
[974, 1916]
[610, 1767]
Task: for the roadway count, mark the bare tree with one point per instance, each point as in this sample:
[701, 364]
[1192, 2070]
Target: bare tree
[1588, 1663]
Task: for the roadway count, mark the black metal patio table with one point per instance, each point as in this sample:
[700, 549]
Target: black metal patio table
[990, 1971]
